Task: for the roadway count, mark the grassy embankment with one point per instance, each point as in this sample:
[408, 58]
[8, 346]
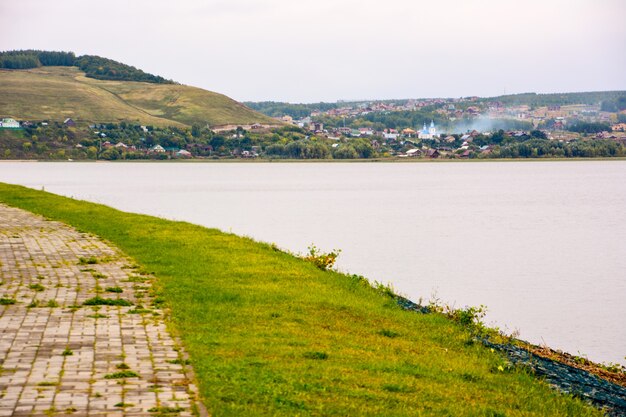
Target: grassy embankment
[270, 334]
[54, 93]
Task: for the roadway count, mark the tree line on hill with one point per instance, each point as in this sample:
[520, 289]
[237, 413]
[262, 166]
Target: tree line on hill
[93, 66]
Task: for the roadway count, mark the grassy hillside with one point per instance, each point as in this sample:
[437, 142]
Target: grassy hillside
[54, 93]
[270, 334]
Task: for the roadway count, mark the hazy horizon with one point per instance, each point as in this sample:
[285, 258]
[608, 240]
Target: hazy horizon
[306, 52]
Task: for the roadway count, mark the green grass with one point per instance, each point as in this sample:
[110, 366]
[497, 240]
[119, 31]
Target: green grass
[122, 374]
[37, 287]
[270, 334]
[54, 93]
[99, 301]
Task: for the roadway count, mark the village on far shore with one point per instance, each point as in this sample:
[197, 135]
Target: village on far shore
[471, 128]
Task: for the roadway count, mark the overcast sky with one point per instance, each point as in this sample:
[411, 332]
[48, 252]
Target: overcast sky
[328, 50]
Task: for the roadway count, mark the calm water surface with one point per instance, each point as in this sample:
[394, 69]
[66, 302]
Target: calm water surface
[542, 244]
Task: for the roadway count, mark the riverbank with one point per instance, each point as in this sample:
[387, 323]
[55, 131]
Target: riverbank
[270, 334]
[318, 161]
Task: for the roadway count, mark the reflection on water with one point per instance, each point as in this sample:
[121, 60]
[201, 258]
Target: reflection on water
[542, 244]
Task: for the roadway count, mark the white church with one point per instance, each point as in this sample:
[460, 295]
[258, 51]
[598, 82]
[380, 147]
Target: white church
[429, 133]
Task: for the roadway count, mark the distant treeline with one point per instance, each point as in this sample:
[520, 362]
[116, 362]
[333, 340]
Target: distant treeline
[615, 105]
[33, 59]
[93, 66]
[297, 111]
[557, 99]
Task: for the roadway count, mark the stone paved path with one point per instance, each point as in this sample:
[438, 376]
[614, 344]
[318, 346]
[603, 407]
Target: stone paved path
[60, 357]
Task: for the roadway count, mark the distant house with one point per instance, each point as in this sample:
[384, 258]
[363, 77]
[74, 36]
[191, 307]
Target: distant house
[157, 149]
[465, 154]
[432, 153]
[249, 154]
[69, 122]
[413, 152]
[409, 132]
[121, 145]
[450, 139]
[183, 154]
[619, 127]
[9, 123]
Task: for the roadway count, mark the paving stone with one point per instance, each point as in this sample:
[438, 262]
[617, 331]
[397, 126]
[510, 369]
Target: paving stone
[41, 268]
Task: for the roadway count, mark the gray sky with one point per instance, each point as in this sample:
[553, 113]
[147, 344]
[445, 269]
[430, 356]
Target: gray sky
[325, 50]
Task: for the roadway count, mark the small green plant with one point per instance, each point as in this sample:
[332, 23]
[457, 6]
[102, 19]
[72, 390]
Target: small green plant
[316, 355]
[179, 362]
[396, 388]
[123, 404]
[385, 289]
[99, 301]
[97, 316]
[323, 261]
[388, 333]
[52, 304]
[122, 374]
[114, 289]
[166, 410]
[158, 301]
[67, 352]
[40, 277]
[33, 304]
[122, 366]
[92, 260]
[613, 367]
[98, 275]
[37, 287]
[4, 301]
[70, 410]
[139, 310]
[136, 278]
[47, 384]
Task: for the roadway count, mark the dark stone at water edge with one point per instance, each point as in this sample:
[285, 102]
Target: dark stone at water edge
[565, 378]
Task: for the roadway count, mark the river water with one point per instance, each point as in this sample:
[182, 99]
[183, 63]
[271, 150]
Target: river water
[541, 244]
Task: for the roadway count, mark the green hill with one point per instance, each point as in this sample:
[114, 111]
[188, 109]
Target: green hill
[55, 93]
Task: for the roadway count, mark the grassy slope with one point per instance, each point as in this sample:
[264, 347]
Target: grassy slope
[254, 320]
[55, 93]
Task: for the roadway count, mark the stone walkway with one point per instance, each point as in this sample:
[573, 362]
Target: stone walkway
[61, 356]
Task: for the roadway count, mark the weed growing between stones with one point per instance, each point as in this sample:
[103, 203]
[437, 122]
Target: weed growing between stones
[122, 374]
[99, 301]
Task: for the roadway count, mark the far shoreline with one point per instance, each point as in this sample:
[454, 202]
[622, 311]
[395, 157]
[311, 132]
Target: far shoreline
[317, 161]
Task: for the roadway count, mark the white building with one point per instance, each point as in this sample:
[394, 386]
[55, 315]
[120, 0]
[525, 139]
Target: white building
[157, 149]
[9, 123]
[429, 133]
